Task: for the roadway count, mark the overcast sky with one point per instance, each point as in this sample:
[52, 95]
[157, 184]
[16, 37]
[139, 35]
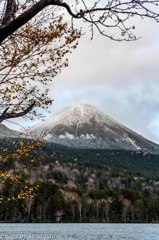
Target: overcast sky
[121, 79]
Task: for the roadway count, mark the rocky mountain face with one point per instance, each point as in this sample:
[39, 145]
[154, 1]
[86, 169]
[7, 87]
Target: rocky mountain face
[83, 126]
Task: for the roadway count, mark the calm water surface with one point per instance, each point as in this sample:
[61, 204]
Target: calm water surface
[79, 231]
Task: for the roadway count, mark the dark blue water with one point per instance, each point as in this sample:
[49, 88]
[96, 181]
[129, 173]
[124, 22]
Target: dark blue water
[79, 231]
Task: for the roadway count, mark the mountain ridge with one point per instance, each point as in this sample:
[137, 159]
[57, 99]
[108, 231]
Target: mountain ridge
[83, 126]
[6, 132]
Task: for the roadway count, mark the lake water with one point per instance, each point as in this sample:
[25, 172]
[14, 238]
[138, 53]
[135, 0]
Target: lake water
[79, 231]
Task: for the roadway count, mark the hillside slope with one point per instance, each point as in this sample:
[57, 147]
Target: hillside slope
[83, 126]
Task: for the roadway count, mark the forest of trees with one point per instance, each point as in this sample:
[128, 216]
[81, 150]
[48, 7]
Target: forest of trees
[50, 205]
[65, 187]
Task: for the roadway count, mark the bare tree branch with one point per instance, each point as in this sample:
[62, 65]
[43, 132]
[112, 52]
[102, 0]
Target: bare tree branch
[101, 14]
[7, 30]
[7, 115]
[29, 61]
[10, 11]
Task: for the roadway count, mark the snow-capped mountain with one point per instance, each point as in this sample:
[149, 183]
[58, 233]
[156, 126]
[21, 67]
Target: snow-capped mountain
[83, 126]
[7, 132]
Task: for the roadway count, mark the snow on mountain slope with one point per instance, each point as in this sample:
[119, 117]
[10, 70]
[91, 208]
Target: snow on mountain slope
[83, 126]
[7, 132]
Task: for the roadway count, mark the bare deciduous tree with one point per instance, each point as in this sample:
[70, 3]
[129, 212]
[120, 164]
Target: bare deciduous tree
[100, 14]
[30, 58]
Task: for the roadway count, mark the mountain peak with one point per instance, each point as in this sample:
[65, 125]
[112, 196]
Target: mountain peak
[77, 114]
[82, 110]
[83, 126]
[83, 107]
